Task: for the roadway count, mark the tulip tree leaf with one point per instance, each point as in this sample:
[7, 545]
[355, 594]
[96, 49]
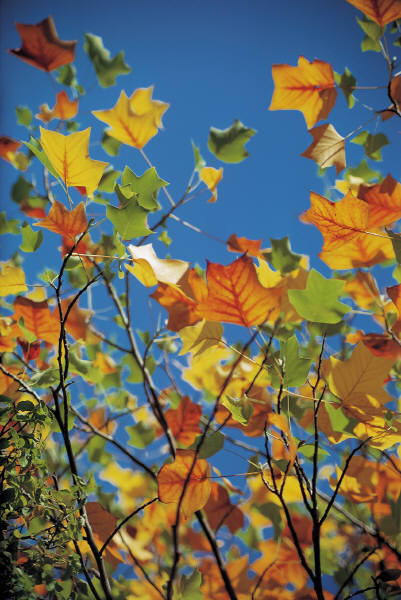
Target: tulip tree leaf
[318, 302]
[129, 219]
[282, 258]
[296, 367]
[106, 68]
[372, 143]
[228, 144]
[146, 187]
[346, 82]
[31, 240]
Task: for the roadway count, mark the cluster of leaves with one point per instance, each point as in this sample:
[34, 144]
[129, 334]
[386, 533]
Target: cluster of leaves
[110, 444]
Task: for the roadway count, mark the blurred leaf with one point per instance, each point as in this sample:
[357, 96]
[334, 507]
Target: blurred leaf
[228, 144]
[106, 68]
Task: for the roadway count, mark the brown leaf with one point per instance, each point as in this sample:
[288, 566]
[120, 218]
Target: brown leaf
[184, 421]
[41, 46]
[327, 148]
[220, 511]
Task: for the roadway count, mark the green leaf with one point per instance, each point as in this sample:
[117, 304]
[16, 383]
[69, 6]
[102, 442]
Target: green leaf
[10, 226]
[199, 161]
[190, 586]
[46, 378]
[140, 435]
[241, 409]
[164, 237]
[372, 29]
[308, 450]
[296, 368]
[282, 258]
[129, 219]
[136, 375]
[21, 189]
[36, 149]
[26, 405]
[338, 419]
[24, 116]
[346, 82]
[146, 187]
[396, 242]
[228, 144]
[67, 76]
[212, 444]
[272, 512]
[106, 68]
[108, 181]
[319, 301]
[372, 144]
[363, 171]
[110, 144]
[72, 126]
[31, 240]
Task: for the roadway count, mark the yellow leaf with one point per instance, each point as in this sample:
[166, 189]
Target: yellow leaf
[211, 177]
[150, 269]
[200, 337]
[69, 155]
[12, 280]
[267, 277]
[135, 120]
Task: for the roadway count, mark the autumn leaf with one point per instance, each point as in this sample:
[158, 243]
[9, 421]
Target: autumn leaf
[146, 187]
[236, 296]
[68, 223]
[327, 148]
[64, 109]
[211, 177]
[106, 68]
[381, 12]
[8, 148]
[200, 337]
[182, 309]
[362, 251]
[384, 200]
[220, 511]
[69, 156]
[184, 421]
[41, 46]
[103, 524]
[338, 222]
[37, 319]
[150, 269]
[242, 245]
[395, 94]
[171, 480]
[363, 290]
[228, 144]
[12, 279]
[309, 87]
[135, 120]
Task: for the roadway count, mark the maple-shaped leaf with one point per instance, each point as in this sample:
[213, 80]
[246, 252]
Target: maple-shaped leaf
[281, 256]
[243, 244]
[228, 144]
[184, 421]
[211, 177]
[106, 68]
[220, 511]
[319, 301]
[146, 187]
[41, 46]
[12, 280]
[362, 251]
[372, 143]
[384, 200]
[37, 319]
[327, 148]
[68, 223]
[338, 222]
[69, 156]
[309, 87]
[362, 375]
[235, 295]
[64, 109]
[380, 11]
[171, 480]
[200, 337]
[150, 269]
[135, 120]
[347, 83]
[129, 219]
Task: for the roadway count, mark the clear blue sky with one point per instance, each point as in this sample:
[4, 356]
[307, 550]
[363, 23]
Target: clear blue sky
[211, 61]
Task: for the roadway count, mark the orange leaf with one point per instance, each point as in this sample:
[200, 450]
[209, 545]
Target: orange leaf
[309, 87]
[68, 223]
[384, 200]
[171, 480]
[8, 148]
[41, 46]
[327, 148]
[103, 524]
[236, 296]
[64, 109]
[37, 319]
[78, 319]
[382, 345]
[242, 245]
[380, 11]
[184, 421]
[211, 177]
[338, 222]
[395, 92]
[362, 251]
[363, 290]
[220, 511]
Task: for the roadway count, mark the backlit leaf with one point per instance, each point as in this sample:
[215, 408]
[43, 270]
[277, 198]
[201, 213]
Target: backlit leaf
[150, 269]
[372, 143]
[319, 301]
[384, 200]
[129, 219]
[361, 251]
[12, 280]
[220, 511]
[327, 148]
[184, 421]
[241, 409]
[228, 144]
[200, 337]
[41, 46]
[240, 245]
[106, 68]
[380, 11]
[147, 187]
[171, 480]
[282, 258]
[64, 109]
[31, 240]
[68, 223]
[309, 87]
[211, 177]
[37, 319]
[346, 82]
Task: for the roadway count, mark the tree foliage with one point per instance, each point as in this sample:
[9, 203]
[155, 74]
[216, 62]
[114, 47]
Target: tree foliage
[112, 438]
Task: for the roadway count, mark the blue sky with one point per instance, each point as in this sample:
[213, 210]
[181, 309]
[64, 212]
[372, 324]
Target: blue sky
[212, 62]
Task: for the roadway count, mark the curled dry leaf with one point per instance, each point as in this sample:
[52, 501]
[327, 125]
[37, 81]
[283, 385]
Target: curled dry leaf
[172, 477]
[150, 269]
[327, 148]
